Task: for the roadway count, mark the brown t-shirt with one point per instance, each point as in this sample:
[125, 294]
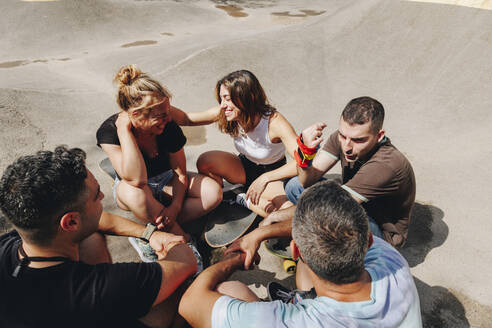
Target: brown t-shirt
[385, 183]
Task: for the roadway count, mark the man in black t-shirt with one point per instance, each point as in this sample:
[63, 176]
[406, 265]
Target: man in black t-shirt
[55, 269]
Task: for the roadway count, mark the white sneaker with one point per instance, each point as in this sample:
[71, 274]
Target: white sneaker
[197, 255]
[144, 250]
[241, 200]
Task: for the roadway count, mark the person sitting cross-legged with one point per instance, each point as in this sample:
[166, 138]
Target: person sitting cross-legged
[146, 148]
[374, 171]
[360, 280]
[55, 268]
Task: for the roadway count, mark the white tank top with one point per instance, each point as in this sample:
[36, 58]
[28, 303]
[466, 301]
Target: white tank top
[256, 144]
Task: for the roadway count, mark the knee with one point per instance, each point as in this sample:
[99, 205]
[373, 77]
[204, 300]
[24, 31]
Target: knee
[211, 193]
[204, 163]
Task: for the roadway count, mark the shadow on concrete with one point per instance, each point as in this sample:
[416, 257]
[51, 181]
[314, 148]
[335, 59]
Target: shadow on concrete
[196, 135]
[427, 230]
[260, 278]
[439, 307]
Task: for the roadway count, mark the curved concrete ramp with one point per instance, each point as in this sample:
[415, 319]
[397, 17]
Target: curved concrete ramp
[429, 64]
[482, 4]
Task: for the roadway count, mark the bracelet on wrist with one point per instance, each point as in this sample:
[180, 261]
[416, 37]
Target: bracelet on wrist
[305, 149]
[304, 155]
[301, 160]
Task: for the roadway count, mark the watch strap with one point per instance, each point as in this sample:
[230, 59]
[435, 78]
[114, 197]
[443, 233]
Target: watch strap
[149, 230]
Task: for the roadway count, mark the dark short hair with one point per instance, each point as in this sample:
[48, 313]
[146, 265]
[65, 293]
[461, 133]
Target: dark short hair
[331, 230]
[37, 189]
[362, 110]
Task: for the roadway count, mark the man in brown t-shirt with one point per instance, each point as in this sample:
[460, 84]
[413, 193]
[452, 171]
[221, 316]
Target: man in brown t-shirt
[374, 172]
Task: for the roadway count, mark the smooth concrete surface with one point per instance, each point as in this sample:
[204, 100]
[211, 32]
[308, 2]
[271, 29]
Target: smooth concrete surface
[429, 64]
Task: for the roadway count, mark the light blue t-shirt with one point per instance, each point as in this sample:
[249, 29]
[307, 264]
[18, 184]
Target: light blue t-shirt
[394, 302]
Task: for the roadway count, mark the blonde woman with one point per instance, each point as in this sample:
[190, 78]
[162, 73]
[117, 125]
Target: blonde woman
[261, 136]
[145, 147]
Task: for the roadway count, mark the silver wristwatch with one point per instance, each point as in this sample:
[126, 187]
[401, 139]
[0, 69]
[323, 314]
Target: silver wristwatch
[149, 230]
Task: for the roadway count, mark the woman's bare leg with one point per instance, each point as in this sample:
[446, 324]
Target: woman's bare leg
[272, 199]
[203, 195]
[221, 165]
[142, 204]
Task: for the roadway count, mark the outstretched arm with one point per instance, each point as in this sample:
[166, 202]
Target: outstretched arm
[250, 243]
[312, 138]
[160, 241]
[198, 301]
[175, 256]
[195, 118]
[112, 224]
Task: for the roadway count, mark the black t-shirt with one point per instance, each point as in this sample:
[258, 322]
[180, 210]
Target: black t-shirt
[74, 294]
[170, 140]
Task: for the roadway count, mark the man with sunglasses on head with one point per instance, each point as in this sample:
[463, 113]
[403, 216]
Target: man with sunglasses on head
[360, 280]
[55, 268]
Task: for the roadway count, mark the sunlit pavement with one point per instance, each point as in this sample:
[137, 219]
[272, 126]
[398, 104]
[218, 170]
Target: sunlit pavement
[428, 63]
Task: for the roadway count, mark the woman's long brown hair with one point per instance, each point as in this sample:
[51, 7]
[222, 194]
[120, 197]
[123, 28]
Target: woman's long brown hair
[247, 95]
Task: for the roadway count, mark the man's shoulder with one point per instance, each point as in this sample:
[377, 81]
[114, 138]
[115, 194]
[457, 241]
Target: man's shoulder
[12, 234]
[382, 259]
[113, 268]
[108, 274]
[8, 239]
[332, 145]
[388, 154]
[226, 309]
[389, 162]
[393, 285]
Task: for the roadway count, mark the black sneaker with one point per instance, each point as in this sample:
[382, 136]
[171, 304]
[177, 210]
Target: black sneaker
[277, 292]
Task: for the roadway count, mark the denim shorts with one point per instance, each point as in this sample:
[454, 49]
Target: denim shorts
[156, 184]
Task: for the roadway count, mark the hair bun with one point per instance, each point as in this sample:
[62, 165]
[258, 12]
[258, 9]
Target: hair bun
[127, 74]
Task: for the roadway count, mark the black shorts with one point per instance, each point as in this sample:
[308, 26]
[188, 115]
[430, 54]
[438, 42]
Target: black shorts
[253, 170]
